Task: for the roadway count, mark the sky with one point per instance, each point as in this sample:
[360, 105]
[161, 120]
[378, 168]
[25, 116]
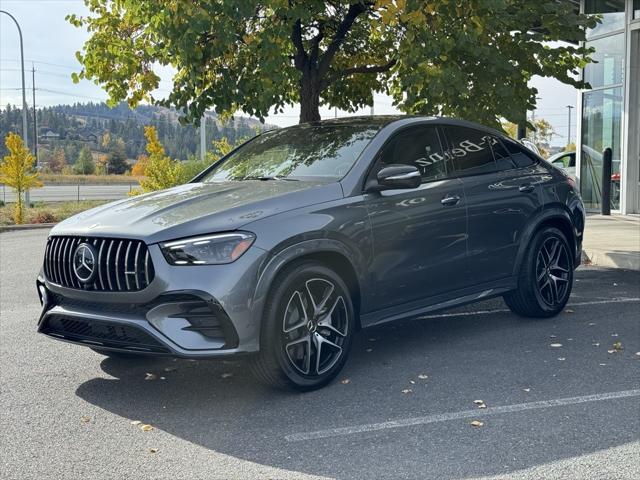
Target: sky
[50, 43]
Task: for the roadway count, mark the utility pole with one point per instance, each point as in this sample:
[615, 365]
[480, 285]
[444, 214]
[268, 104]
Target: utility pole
[35, 119]
[203, 137]
[335, 112]
[373, 101]
[24, 94]
[569, 107]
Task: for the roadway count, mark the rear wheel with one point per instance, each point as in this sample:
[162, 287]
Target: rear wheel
[308, 328]
[546, 276]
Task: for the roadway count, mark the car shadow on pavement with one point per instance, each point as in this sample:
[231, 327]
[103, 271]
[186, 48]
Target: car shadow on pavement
[495, 356]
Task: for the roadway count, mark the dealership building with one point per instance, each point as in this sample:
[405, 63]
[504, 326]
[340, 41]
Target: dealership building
[609, 113]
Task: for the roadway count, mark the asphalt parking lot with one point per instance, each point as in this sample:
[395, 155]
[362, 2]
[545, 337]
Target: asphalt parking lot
[402, 408]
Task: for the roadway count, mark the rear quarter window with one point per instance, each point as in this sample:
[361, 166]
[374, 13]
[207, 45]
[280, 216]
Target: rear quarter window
[520, 155]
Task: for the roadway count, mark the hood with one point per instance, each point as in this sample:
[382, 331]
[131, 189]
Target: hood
[196, 208]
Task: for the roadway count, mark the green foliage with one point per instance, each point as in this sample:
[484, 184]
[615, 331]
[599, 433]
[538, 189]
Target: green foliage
[470, 59]
[16, 170]
[85, 164]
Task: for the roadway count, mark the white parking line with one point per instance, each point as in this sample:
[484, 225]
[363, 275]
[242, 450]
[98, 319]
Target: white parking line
[445, 417]
[506, 310]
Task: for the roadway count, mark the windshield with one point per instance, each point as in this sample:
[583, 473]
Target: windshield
[304, 152]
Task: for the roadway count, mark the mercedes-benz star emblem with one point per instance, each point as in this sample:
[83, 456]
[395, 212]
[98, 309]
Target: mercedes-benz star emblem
[84, 263]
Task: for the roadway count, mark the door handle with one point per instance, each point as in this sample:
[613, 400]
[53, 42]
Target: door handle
[450, 200]
[526, 188]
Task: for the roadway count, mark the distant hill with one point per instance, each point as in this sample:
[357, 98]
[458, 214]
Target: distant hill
[71, 127]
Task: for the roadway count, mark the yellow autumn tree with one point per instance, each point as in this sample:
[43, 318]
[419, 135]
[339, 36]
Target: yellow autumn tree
[140, 166]
[161, 171]
[16, 170]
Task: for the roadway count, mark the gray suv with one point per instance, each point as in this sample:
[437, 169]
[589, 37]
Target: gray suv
[289, 245]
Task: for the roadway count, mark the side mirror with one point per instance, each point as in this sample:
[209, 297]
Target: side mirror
[398, 177]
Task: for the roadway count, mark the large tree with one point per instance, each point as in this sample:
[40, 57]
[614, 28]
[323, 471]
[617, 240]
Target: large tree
[470, 58]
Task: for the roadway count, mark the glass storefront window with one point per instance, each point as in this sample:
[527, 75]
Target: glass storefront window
[608, 62]
[601, 122]
[611, 11]
[636, 9]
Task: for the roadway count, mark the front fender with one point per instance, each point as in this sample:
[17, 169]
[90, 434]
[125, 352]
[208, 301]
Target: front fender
[277, 262]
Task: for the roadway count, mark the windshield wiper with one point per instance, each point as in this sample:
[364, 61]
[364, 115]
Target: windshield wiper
[265, 178]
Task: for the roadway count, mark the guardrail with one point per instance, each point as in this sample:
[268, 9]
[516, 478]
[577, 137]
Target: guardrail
[71, 192]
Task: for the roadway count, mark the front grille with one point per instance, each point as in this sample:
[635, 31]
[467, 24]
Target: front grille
[122, 265]
[102, 333]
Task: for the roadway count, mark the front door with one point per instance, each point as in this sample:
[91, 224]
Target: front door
[419, 235]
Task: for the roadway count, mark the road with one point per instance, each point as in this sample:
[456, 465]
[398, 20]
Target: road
[61, 193]
[570, 412]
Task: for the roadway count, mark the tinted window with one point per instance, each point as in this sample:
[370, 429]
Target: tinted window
[418, 146]
[520, 155]
[303, 151]
[500, 153]
[470, 150]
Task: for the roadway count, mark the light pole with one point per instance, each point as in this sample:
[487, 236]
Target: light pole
[24, 94]
[569, 108]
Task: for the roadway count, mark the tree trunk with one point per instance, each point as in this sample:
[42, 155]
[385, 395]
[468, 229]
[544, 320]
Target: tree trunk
[309, 99]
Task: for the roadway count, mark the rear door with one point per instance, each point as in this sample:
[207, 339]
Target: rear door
[419, 234]
[502, 193]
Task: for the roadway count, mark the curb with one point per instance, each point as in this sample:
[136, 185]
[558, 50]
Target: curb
[26, 226]
[606, 258]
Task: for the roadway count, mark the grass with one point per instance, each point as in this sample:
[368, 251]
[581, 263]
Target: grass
[53, 179]
[48, 212]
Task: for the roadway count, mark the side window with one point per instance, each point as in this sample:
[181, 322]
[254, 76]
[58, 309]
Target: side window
[418, 146]
[520, 154]
[470, 150]
[500, 153]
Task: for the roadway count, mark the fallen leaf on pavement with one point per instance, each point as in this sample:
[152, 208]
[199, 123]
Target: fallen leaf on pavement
[611, 351]
[603, 364]
[85, 419]
[407, 390]
[146, 428]
[136, 422]
[153, 450]
[478, 402]
[555, 345]
[552, 336]
[412, 382]
[526, 390]
[424, 377]
[476, 423]
[614, 334]
[562, 359]
[617, 346]
[345, 381]
[150, 376]
[597, 344]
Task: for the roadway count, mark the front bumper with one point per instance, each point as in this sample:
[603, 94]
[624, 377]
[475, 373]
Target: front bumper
[194, 312]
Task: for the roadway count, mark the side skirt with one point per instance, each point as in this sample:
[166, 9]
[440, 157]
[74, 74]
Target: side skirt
[440, 302]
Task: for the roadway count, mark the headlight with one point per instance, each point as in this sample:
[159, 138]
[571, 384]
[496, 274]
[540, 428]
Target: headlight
[207, 250]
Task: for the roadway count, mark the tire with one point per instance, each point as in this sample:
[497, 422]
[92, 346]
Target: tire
[546, 276]
[307, 331]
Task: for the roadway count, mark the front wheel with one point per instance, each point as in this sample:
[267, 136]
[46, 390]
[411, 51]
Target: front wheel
[308, 328]
[546, 276]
